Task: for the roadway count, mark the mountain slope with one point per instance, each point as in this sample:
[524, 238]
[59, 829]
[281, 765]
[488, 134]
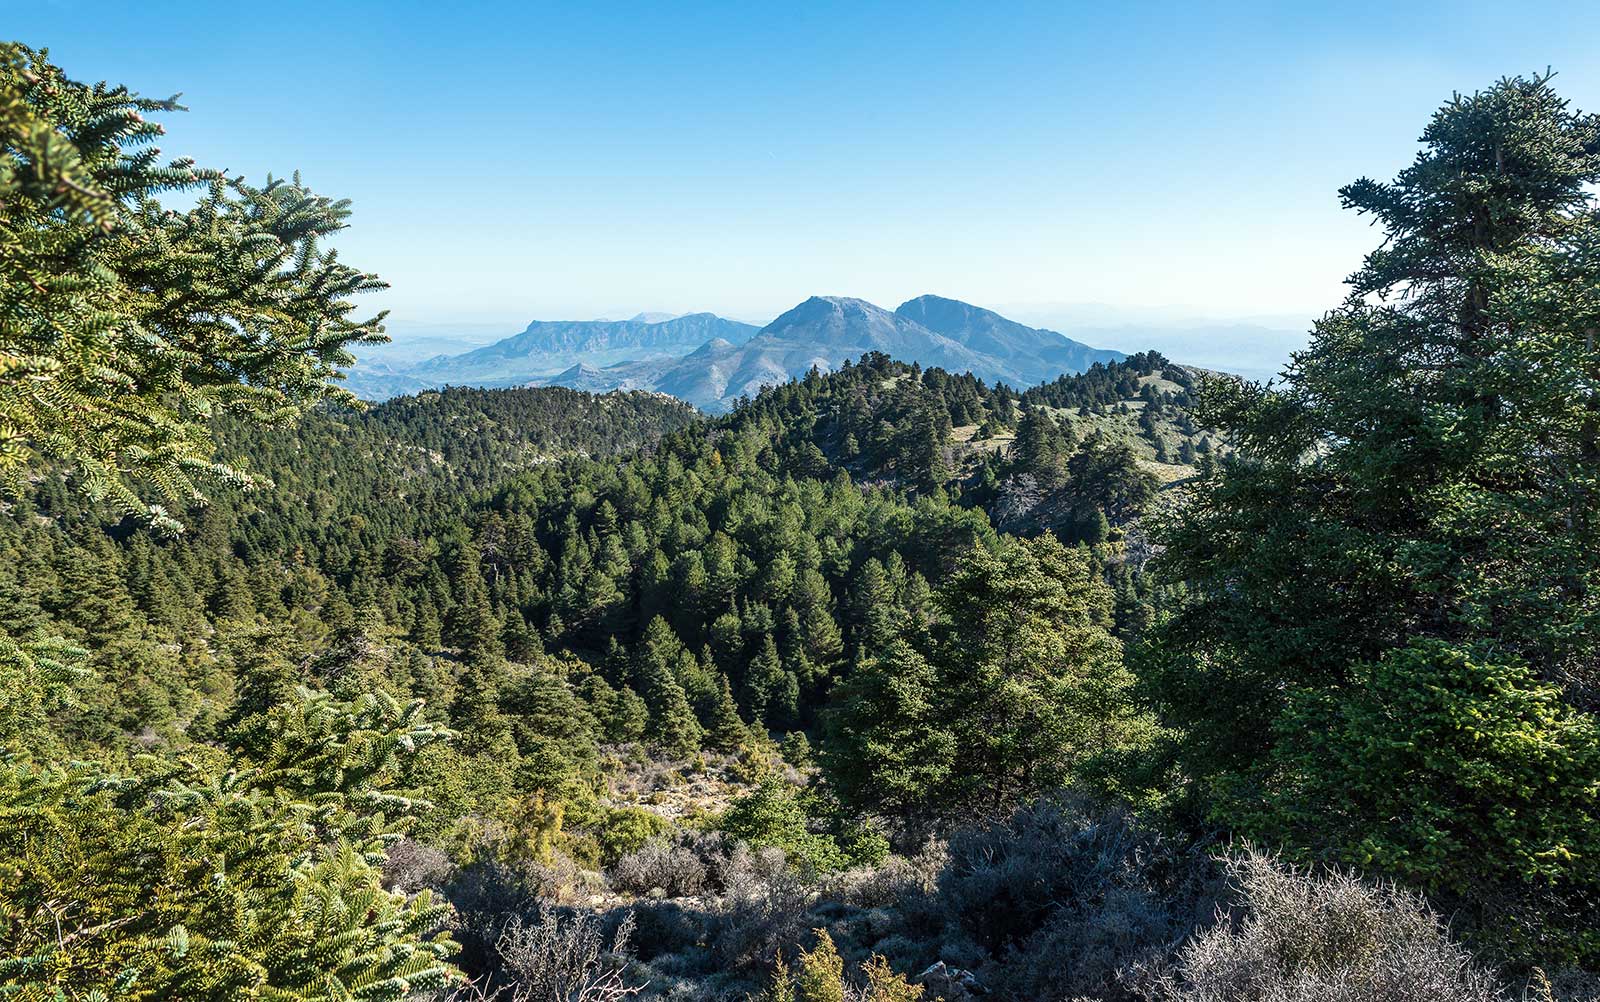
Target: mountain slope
[556, 337]
[1032, 354]
[855, 326]
[547, 348]
[825, 331]
[711, 362]
[822, 332]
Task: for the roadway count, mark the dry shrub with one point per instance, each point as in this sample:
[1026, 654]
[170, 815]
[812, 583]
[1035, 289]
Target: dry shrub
[687, 862]
[1058, 899]
[553, 959]
[409, 866]
[740, 871]
[758, 918]
[488, 894]
[1321, 936]
[676, 870]
[893, 883]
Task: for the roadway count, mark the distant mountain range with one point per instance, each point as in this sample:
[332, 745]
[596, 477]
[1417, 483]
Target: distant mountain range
[711, 362]
[548, 347]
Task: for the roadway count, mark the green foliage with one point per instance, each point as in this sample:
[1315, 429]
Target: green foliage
[1508, 765]
[888, 749]
[1031, 671]
[412, 534]
[1041, 447]
[885, 984]
[1104, 384]
[885, 420]
[260, 880]
[627, 829]
[774, 814]
[36, 677]
[1018, 684]
[820, 978]
[725, 732]
[796, 749]
[1405, 547]
[123, 324]
[672, 721]
[821, 974]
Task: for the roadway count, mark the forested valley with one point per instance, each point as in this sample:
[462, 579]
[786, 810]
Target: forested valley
[1148, 683]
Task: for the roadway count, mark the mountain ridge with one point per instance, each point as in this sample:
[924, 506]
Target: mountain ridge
[987, 332]
[728, 360]
[558, 336]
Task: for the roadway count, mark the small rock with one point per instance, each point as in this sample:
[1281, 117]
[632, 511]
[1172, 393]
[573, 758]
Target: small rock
[951, 983]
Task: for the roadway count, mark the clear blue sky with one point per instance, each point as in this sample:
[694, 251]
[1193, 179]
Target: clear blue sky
[510, 161]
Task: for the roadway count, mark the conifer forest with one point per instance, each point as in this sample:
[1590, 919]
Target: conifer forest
[889, 683]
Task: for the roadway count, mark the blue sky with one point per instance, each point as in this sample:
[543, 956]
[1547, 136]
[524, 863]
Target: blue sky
[509, 161]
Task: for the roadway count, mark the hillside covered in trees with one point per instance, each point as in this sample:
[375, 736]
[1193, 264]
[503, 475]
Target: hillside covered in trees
[888, 684]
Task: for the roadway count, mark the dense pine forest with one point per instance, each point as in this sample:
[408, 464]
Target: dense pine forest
[1147, 683]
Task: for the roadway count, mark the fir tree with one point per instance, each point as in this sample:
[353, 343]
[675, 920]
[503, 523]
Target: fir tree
[768, 685]
[471, 624]
[888, 752]
[724, 730]
[672, 720]
[262, 880]
[1411, 517]
[96, 371]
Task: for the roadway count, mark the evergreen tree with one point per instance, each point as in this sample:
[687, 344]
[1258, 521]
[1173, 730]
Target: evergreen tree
[98, 372]
[471, 624]
[1029, 669]
[631, 718]
[771, 690]
[887, 751]
[1411, 518]
[1040, 447]
[875, 607]
[485, 731]
[1019, 688]
[823, 646]
[261, 880]
[724, 730]
[263, 676]
[672, 721]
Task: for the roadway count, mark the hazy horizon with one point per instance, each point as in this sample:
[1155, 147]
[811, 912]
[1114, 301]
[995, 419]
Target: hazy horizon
[1251, 346]
[522, 161]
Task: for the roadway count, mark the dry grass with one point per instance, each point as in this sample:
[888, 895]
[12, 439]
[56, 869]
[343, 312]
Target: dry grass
[678, 791]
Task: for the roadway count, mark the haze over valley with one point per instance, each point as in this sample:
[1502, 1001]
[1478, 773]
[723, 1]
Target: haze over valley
[711, 361]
